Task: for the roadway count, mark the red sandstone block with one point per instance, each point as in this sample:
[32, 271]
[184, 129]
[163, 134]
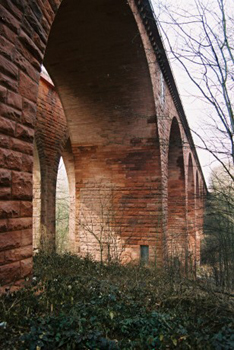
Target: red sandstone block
[8, 68]
[3, 93]
[14, 100]
[12, 8]
[2, 258]
[24, 52]
[9, 273]
[26, 209]
[19, 224]
[37, 32]
[29, 111]
[8, 82]
[27, 87]
[5, 192]
[21, 185]
[5, 177]
[26, 267]
[9, 20]
[25, 133]
[3, 225]
[26, 66]
[6, 47]
[18, 254]
[29, 44]
[7, 126]
[48, 14]
[21, 146]
[27, 162]
[4, 141]
[9, 209]
[26, 238]
[10, 240]
[10, 159]
[7, 33]
[10, 113]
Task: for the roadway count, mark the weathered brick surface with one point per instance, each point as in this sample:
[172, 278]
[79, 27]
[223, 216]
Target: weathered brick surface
[50, 138]
[120, 122]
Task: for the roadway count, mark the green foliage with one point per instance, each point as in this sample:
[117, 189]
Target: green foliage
[76, 303]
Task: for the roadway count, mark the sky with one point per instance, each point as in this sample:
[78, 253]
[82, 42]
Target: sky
[199, 114]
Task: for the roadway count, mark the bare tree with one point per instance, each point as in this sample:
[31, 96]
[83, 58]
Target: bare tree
[62, 210]
[101, 223]
[200, 38]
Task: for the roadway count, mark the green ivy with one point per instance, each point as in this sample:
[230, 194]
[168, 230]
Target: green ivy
[75, 303]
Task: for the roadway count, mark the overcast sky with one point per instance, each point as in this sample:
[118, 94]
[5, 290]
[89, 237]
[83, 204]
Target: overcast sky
[197, 112]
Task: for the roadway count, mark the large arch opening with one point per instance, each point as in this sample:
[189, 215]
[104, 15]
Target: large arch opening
[176, 235]
[68, 159]
[97, 61]
[62, 209]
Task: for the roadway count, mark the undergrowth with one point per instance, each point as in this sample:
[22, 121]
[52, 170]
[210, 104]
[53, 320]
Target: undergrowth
[75, 303]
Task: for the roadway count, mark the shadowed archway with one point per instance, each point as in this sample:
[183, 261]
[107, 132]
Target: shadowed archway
[176, 236]
[97, 61]
[191, 214]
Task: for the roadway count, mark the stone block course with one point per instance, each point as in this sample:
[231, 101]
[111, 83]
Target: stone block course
[10, 240]
[7, 126]
[9, 20]
[10, 273]
[27, 87]
[8, 82]
[21, 185]
[19, 224]
[9, 209]
[8, 68]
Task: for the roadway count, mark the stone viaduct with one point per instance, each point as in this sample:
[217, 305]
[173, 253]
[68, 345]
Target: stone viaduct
[114, 114]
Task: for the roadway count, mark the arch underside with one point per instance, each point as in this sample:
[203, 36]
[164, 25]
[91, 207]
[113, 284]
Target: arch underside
[97, 61]
[176, 229]
[191, 213]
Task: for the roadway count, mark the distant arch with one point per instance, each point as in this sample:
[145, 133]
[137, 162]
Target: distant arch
[68, 158]
[191, 213]
[36, 198]
[176, 236]
[198, 219]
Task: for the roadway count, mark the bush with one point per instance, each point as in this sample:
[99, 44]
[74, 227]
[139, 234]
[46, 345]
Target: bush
[76, 303]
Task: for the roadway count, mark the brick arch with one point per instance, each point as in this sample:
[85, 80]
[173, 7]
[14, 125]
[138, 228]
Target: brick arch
[50, 135]
[191, 211]
[176, 236]
[36, 198]
[105, 88]
[198, 219]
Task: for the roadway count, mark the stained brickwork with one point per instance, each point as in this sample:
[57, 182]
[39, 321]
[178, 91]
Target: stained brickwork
[120, 106]
[50, 138]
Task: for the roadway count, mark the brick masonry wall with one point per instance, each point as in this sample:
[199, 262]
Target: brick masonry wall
[110, 86]
[51, 135]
